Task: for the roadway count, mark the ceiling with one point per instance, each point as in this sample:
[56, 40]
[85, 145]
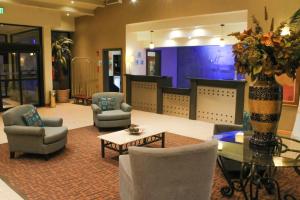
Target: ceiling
[11, 29]
[71, 8]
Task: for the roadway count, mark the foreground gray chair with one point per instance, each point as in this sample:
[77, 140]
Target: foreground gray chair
[174, 173]
[119, 116]
[38, 140]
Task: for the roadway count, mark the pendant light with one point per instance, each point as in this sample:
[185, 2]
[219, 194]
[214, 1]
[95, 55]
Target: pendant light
[151, 45]
[222, 40]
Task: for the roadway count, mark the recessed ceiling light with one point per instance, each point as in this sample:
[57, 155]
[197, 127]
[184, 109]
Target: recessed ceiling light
[68, 14]
[133, 1]
[72, 2]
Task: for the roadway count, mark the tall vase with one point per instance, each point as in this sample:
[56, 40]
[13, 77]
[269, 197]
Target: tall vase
[265, 103]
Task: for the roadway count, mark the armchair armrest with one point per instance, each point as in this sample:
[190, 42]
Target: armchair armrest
[96, 109]
[25, 130]
[125, 107]
[52, 122]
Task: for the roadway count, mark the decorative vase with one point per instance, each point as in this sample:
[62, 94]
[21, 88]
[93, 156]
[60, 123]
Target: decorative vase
[265, 103]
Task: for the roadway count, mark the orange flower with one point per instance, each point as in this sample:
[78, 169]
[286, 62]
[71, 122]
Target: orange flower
[267, 39]
[277, 40]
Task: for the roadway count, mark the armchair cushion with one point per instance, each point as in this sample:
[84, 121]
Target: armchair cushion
[32, 118]
[113, 115]
[125, 107]
[107, 103]
[54, 134]
[52, 122]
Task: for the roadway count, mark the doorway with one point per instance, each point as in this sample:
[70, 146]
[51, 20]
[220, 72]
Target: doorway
[153, 62]
[112, 70]
[21, 77]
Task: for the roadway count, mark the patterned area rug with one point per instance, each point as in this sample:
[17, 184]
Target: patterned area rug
[78, 172]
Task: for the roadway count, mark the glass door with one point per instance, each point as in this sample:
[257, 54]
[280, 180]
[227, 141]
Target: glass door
[19, 79]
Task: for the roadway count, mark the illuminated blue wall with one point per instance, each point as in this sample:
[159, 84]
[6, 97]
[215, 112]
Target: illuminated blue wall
[209, 62]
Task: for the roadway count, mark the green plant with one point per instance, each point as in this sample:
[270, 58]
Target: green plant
[61, 52]
[270, 53]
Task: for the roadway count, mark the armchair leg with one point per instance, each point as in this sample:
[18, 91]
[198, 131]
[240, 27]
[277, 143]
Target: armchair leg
[46, 157]
[12, 155]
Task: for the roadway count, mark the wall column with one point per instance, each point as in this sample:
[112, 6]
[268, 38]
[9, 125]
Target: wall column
[48, 85]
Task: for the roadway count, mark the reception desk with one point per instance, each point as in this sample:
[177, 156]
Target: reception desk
[215, 101]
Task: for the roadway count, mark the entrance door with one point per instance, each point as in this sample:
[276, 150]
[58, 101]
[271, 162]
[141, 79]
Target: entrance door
[112, 70]
[20, 80]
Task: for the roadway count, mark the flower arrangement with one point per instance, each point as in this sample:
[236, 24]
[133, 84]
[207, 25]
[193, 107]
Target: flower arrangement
[272, 53]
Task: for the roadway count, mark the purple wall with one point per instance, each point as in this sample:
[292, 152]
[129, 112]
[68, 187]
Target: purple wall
[209, 62]
[169, 63]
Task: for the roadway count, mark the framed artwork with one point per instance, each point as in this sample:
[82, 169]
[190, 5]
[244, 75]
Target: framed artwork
[290, 89]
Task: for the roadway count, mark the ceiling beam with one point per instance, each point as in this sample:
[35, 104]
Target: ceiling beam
[98, 3]
[56, 7]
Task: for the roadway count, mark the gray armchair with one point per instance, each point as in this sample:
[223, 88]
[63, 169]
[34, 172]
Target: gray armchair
[27, 139]
[175, 173]
[118, 117]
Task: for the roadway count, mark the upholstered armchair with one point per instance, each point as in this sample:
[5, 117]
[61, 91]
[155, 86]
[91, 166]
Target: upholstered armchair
[51, 137]
[118, 115]
[173, 173]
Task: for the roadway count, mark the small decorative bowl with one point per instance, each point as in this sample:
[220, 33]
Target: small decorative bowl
[135, 130]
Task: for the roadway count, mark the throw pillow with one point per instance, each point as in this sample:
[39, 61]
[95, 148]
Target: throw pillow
[32, 118]
[107, 103]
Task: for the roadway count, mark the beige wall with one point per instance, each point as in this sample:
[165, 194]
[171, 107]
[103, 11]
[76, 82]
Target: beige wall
[107, 29]
[48, 20]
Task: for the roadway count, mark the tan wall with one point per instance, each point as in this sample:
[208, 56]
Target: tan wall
[48, 20]
[107, 29]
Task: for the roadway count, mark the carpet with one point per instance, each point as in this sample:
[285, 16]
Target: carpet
[78, 172]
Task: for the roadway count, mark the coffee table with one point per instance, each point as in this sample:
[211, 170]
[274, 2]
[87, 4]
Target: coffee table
[120, 141]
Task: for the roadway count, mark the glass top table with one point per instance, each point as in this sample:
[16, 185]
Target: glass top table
[235, 145]
[257, 168]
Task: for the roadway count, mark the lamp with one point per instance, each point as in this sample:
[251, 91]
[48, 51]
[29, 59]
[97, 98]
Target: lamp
[151, 45]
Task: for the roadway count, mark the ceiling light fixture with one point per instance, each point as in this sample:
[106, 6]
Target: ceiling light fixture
[222, 40]
[151, 45]
[72, 2]
[68, 14]
[133, 1]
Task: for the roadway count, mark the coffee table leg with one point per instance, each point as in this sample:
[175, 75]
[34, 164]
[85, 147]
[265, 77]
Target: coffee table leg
[163, 140]
[120, 149]
[102, 149]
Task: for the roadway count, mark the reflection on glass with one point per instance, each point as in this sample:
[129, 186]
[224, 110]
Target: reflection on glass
[12, 97]
[30, 92]
[28, 63]
[27, 37]
[2, 38]
[8, 66]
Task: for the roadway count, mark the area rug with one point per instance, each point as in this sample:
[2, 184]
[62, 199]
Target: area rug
[79, 173]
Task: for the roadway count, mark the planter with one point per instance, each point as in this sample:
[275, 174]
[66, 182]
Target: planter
[265, 103]
[62, 96]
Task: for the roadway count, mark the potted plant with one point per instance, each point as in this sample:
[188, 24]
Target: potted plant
[264, 55]
[61, 53]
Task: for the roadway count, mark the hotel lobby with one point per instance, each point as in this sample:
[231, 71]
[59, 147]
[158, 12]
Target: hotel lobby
[149, 99]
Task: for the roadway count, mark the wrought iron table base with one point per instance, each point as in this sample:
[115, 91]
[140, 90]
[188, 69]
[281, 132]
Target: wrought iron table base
[257, 179]
[122, 149]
